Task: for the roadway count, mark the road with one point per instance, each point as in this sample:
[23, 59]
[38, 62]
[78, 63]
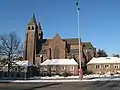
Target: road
[106, 85]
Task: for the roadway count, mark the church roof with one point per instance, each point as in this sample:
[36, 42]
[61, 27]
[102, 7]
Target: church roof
[71, 41]
[88, 45]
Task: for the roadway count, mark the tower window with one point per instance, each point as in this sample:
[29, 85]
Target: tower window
[83, 45]
[32, 28]
[28, 28]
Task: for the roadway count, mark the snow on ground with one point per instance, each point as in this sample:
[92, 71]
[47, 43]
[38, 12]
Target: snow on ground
[74, 80]
[75, 77]
[97, 75]
[57, 78]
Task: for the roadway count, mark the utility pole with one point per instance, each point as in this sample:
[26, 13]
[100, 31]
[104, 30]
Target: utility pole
[79, 39]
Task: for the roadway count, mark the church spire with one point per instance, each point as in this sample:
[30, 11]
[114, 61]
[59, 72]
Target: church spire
[32, 20]
[39, 26]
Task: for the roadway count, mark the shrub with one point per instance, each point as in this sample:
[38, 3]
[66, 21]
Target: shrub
[66, 74]
[89, 72]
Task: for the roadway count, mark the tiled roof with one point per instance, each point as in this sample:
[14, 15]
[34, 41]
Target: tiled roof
[88, 45]
[71, 41]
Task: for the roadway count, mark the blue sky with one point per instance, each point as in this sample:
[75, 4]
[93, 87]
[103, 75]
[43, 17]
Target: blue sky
[99, 20]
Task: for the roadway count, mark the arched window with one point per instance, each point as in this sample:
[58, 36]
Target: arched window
[56, 52]
[29, 28]
[32, 28]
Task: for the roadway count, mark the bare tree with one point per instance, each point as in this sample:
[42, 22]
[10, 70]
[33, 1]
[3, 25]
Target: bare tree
[19, 54]
[116, 55]
[9, 47]
[101, 53]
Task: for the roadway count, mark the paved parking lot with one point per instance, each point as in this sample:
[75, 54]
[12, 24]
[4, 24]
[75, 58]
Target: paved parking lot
[115, 85]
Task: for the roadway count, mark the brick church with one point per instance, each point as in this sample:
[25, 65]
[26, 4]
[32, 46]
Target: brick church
[37, 49]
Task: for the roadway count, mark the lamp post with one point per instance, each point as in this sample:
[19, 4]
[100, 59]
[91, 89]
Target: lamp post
[79, 39]
[25, 69]
[41, 57]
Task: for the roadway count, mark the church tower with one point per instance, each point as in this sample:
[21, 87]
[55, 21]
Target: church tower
[39, 38]
[31, 40]
[40, 33]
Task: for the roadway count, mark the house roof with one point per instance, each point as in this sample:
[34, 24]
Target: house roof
[23, 63]
[59, 62]
[104, 60]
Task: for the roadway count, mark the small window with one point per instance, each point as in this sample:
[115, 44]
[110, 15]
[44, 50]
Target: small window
[53, 68]
[97, 66]
[28, 28]
[107, 66]
[32, 28]
[63, 67]
[45, 68]
[73, 68]
[116, 66]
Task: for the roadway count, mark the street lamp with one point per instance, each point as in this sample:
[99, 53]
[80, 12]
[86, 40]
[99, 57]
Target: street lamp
[79, 40]
[41, 57]
[25, 69]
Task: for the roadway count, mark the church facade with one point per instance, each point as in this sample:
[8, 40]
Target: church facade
[37, 49]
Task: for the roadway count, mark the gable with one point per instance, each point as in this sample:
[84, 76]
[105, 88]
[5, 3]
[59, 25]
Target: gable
[57, 37]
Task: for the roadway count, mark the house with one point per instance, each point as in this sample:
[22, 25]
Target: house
[18, 69]
[104, 65]
[59, 67]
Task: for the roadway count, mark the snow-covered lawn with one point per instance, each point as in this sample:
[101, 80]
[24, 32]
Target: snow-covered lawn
[76, 77]
[56, 78]
[69, 80]
[59, 77]
[97, 75]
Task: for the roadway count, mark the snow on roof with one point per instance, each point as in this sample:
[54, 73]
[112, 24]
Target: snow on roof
[59, 62]
[23, 63]
[104, 60]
